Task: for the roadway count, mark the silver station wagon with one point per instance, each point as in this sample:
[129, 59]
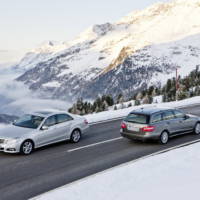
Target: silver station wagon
[158, 124]
[39, 129]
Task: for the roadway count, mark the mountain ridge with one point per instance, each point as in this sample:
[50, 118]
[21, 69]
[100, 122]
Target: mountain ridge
[165, 35]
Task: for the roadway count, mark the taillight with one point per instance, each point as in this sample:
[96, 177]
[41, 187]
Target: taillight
[85, 121]
[123, 125]
[148, 129]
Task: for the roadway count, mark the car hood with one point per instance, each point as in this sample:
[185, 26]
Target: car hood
[12, 131]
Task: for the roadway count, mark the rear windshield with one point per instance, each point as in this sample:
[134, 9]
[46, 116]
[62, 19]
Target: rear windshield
[137, 118]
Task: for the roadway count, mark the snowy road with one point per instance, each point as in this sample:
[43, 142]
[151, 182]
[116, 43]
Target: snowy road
[23, 177]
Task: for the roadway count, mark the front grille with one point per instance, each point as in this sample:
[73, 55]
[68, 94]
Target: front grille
[2, 141]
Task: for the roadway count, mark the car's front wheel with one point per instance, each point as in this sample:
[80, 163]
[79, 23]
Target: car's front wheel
[75, 136]
[197, 129]
[27, 147]
[164, 137]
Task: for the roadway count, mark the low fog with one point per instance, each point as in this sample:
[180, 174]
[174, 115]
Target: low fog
[17, 99]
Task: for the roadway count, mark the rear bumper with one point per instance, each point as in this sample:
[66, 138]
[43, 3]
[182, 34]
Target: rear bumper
[85, 129]
[147, 136]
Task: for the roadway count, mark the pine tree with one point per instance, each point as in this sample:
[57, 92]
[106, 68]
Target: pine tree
[157, 92]
[129, 105]
[182, 95]
[169, 85]
[115, 107]
[137, 102]
[109, 100]
[150, 90]
[120, 98]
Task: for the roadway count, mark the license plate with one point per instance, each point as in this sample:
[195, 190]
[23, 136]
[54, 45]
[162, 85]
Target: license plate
[132, 127]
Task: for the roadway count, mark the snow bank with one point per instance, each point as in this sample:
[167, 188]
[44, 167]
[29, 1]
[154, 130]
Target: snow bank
[112, 114]
[158, 99]
[172, 175]
[2, 126]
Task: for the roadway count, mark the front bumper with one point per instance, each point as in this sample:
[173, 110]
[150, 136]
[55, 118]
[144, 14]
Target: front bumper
[10, 148]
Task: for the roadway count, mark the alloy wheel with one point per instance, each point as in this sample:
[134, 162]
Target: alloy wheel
[76, 136]
[164, 137]
[27, 147]
[197, 129]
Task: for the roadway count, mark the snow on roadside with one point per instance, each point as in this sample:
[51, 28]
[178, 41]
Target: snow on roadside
[2, 126]
[171, 175]
[112, 114]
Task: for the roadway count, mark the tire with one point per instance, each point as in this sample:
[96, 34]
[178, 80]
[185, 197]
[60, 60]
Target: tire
[75, 136]
[197, 129]
[27, 147]
[164, 137]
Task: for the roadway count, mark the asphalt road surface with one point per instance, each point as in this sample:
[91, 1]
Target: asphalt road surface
[23, 177]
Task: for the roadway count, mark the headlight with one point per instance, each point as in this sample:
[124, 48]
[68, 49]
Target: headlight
[11, 141]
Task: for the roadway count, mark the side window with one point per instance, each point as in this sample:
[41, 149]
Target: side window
[167, 115]
[156, 118]
[178, 114]
[50, 121]
[63, 118]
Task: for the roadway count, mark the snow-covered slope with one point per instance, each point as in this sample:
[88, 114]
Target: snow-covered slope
[43, 52]
[142, 48]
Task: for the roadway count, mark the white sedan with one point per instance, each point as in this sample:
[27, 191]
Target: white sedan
[39, 129]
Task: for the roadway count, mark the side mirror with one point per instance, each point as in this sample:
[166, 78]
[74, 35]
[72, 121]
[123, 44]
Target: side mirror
[13, 123]
[186, 117]
[44, 128]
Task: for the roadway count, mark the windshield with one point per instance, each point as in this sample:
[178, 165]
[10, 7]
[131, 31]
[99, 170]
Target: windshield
[137, 118]
[29, 121]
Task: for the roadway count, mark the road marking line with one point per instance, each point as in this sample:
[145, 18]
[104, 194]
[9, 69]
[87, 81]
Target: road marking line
[95, 144]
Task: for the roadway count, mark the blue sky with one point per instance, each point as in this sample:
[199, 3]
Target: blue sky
[26, 23]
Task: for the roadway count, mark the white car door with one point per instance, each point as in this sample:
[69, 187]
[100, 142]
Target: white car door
[64, 123]
[48, 135]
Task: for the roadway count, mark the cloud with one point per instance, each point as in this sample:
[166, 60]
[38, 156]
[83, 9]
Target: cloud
[17, 99]
[11, 55]
[4, 51]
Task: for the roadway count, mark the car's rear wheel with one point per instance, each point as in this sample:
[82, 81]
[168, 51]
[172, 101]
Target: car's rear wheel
[197, 129]
[164, 137]
[27, 147]
[75, 136]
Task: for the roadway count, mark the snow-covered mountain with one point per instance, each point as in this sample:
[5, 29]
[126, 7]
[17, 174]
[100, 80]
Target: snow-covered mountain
[41, 53]
[141, 49]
